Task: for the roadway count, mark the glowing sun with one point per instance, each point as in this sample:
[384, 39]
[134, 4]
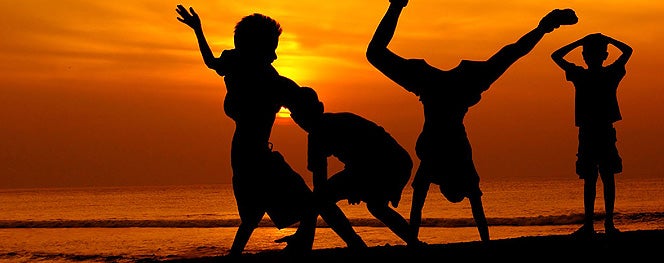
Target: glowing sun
[283, 113]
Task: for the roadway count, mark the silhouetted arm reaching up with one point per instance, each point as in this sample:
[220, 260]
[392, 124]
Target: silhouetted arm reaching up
[377, 53]
[509, 54]
[192, 20]
[624, 48]
[385, 30]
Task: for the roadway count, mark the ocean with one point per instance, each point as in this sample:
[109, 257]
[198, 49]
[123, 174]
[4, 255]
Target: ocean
[130, 224]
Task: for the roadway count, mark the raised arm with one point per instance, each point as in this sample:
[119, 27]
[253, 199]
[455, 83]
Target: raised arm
[624, 48]
[558, 55]
[509, 54]
[191, 19]
[377, 52]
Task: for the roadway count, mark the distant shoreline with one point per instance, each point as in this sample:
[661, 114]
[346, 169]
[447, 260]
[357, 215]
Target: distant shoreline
[639, 244]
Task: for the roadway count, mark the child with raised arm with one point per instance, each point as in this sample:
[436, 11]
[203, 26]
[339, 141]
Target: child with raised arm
[443, 147]
[262, 180]
[596, 109]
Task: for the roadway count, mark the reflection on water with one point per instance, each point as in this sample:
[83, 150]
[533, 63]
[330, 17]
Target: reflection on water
[128, 223]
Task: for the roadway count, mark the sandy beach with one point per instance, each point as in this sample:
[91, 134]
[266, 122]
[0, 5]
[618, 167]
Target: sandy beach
[640, 244]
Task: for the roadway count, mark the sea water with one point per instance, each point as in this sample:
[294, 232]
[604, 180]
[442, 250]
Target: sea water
[128, 224]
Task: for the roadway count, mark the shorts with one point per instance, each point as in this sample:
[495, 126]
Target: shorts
[455, 185]
[271, 186]
[449, 165]
[597, 152]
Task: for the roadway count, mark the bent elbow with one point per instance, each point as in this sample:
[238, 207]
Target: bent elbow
[210, 64]
[628, 51]
[222, 71]
[374, 53]
[555, 56]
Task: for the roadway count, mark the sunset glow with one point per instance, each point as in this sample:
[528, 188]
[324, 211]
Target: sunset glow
[116, 93]
[283, 113]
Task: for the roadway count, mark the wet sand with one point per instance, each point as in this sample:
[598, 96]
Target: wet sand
[631, 245]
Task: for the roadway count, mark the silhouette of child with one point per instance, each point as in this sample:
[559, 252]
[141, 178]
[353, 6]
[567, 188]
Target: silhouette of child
[376, 167]
[443, 147]
[262, 181]
[596, 109]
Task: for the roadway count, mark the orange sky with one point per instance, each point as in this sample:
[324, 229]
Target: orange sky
[115, 92]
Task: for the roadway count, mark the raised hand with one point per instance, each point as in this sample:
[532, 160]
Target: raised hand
[189, 18]
[558, 17]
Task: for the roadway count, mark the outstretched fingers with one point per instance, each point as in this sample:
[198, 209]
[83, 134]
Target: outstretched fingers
[188, 16]
[182, 12]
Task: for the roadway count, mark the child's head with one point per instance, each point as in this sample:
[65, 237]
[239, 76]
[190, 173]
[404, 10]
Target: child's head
[595, 49]
[307, 109]
[257, 37]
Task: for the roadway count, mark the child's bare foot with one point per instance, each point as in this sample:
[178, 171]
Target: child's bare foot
[416, 244]
[295, 245]
[584, 231]
[611, 230]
